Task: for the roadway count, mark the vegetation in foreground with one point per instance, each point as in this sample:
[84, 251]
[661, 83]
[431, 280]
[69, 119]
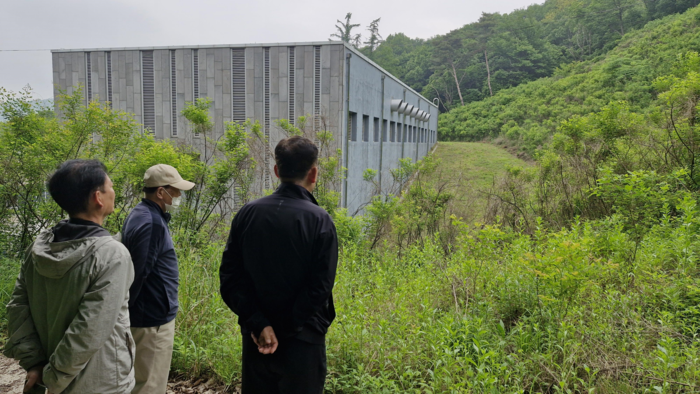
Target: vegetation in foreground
[500, 311]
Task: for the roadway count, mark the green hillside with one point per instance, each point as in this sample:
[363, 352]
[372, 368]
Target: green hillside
[470, 169]
[500, 51]
[531, 112]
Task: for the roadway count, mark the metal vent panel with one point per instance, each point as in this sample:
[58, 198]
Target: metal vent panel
[108, 65]
[88, 77]
[238, 85]
[148, 83]
[195, 77]
[266, 111]
[317, 88]
[292, 96]
[173, 93]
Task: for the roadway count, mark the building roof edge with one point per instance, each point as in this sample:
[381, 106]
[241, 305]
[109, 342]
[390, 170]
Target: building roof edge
[149, 48]
[365, 58]
[280, 44]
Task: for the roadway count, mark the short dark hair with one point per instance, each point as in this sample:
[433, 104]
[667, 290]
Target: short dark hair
[151, 190]
[74, 182]
[294, 157]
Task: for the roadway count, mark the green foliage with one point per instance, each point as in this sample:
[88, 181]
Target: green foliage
[501, 312]
[502, 51]
[33, 145]
[197, 113]
[531, 113]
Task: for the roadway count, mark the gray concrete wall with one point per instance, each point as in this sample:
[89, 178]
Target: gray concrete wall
[215, 82]
[366, 99]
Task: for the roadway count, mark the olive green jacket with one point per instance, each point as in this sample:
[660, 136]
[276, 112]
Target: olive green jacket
[69, 310]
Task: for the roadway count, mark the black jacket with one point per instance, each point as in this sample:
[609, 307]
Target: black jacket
[153, 295]
[279, 264]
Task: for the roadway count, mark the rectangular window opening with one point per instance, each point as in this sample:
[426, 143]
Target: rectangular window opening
[365, 128]
[376, 130]
[384, 130]
[353, 126]
[392, 131]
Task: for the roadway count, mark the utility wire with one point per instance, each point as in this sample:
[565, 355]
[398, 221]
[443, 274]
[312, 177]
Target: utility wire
[24, 50]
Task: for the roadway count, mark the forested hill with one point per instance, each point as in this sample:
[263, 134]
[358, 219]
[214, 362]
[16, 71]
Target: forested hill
[503, 51]
[531, 112]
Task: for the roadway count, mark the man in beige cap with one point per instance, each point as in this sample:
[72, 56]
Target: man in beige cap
[153, 295]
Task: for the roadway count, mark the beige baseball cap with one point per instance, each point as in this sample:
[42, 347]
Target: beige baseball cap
[165, 175]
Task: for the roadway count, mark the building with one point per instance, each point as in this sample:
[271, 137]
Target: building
[375, 118]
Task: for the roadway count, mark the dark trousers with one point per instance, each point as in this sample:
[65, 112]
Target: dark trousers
[295, 367]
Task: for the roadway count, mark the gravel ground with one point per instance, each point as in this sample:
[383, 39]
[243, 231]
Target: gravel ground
[12, 381]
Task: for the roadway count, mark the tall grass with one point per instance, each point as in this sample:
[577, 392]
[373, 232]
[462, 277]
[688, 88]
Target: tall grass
[567, 311]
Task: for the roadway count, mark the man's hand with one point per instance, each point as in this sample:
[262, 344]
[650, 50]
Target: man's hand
[34, 376]
[267, 342]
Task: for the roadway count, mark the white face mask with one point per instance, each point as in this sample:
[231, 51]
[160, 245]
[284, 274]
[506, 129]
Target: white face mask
[175, 203]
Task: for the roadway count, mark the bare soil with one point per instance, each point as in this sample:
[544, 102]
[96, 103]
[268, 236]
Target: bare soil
[11, 376]
[12, 382]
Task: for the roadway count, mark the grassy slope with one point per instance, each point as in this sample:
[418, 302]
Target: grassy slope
[470, 168]
[530, 112]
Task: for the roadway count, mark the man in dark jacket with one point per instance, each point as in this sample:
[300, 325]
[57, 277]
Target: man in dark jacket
[153, 304]
[277, 275]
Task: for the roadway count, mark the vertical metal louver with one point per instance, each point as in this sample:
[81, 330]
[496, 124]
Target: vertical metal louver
[195, 77]
[147, 81]
[238, 85]
[108, 63]
[266, 110]
[195, 74]
[317, 88]
[173, 93]
[292, 96]
[88, 77]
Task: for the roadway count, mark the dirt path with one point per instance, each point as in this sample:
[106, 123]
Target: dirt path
[12, 381]
[11, 376]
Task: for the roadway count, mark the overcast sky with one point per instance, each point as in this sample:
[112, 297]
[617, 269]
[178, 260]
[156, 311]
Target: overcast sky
[54, 24]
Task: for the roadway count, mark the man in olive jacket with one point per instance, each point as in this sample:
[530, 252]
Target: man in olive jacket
[68, 314]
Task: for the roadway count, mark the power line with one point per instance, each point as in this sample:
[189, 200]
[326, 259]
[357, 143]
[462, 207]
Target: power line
[24, 50]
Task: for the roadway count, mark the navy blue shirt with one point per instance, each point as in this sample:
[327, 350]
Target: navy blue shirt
[153, 295]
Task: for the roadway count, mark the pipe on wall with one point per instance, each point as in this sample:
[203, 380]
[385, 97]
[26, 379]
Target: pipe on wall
[395, 103]
[348, 131]
[382, 132]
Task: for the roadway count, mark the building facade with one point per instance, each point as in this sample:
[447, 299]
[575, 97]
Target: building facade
[376, 120]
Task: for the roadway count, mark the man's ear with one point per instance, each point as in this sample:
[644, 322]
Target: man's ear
[277, 172]
[97, 198]
[312, 176]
